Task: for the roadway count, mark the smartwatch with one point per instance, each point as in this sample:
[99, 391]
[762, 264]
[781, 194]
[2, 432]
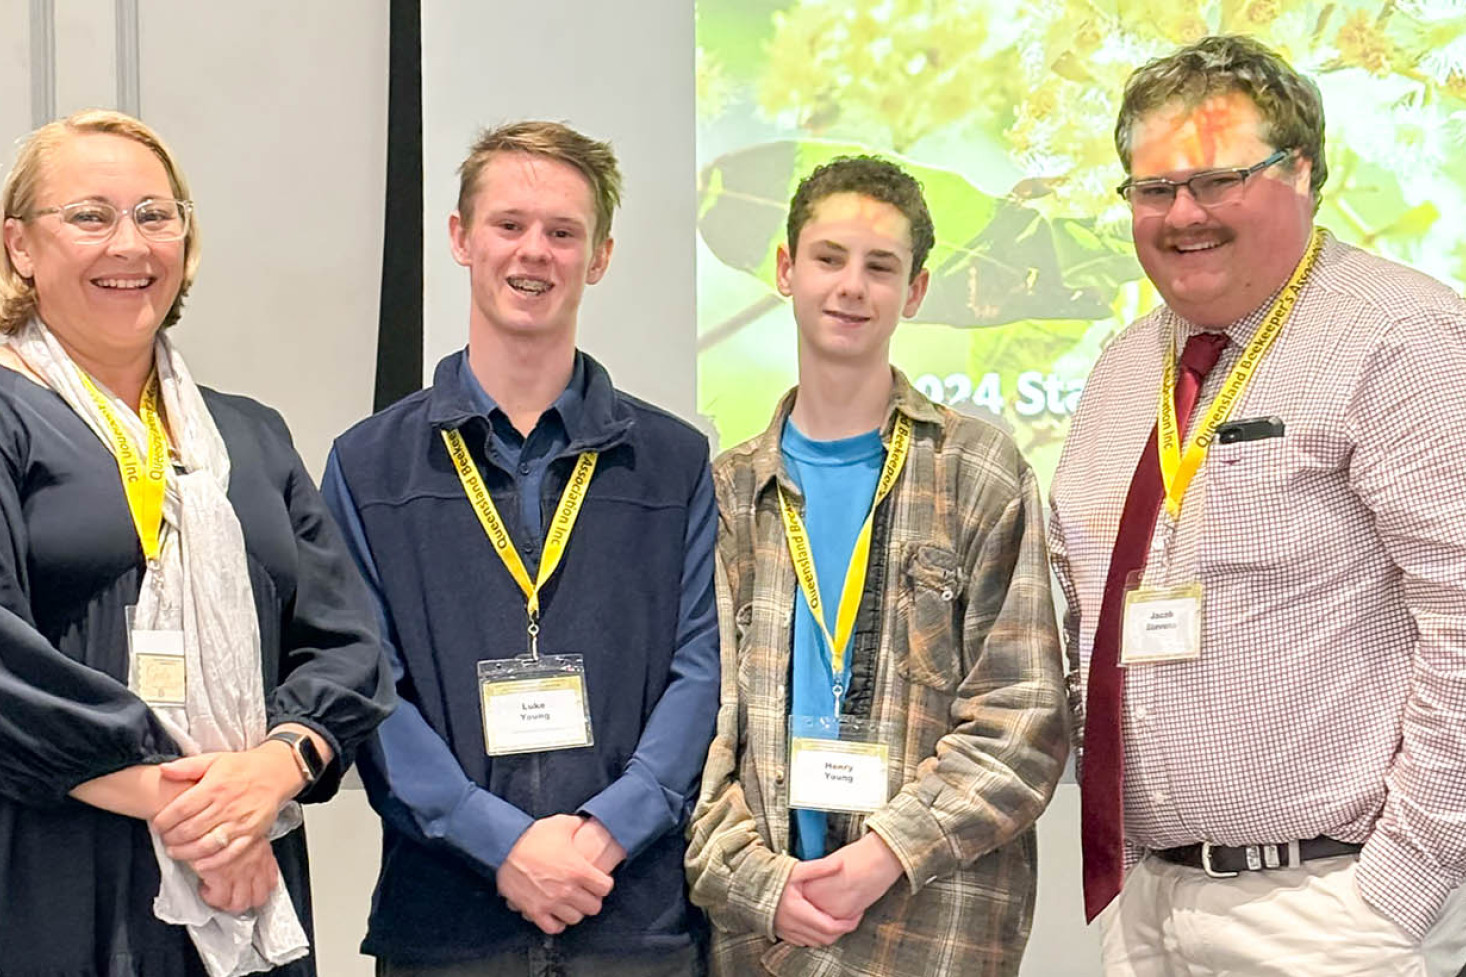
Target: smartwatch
[307, 757]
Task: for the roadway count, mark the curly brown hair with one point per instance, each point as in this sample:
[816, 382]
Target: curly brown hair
[1289, 103]
[872, 177]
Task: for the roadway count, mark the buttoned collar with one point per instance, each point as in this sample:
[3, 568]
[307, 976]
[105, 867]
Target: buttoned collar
[593, 415]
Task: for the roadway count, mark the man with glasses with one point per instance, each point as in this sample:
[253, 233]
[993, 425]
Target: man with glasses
[1259, 525]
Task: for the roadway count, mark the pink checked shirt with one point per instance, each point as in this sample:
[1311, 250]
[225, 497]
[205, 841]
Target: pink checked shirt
[1330, 695]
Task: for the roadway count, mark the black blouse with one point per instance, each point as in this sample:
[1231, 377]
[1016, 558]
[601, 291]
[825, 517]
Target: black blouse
[77, 883]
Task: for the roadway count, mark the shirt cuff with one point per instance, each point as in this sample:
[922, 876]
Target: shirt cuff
[1402, 885]
[635, 809]
[916, 838]
[756, 887]
[482, 826]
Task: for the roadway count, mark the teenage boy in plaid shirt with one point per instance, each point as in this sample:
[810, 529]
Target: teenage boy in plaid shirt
[880, 757]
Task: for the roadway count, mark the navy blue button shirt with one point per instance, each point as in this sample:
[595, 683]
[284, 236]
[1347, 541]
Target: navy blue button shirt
[428, 785]
[528, 458]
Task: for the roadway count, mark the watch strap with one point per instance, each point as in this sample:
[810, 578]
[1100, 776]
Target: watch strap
[307, 758]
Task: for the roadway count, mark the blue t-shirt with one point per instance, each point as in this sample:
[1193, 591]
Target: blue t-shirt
[838, 479]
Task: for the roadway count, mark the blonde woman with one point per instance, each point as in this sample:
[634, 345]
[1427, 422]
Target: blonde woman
[185, 650]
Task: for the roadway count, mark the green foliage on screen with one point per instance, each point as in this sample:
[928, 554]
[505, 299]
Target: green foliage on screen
[994, 262]
[1005, 111]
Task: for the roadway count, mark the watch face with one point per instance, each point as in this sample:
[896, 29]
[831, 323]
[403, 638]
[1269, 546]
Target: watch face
[305, 752]
[311, 756]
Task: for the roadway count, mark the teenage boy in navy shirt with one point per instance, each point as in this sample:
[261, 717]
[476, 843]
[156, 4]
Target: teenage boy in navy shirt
[541, 549]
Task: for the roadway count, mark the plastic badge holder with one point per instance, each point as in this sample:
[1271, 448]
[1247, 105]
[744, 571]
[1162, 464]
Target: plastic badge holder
[534, 705]
[1161, 624]
[838, 763]
[157, 667]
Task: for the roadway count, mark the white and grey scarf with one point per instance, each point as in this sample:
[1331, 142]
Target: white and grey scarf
[199, 584]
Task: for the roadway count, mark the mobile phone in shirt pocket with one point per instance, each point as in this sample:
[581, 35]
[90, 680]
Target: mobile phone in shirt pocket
[1248, 519]
[1251, 429]
[934, 584]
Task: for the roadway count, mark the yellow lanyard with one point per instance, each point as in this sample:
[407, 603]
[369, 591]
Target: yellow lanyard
[854, 585]
[143, 479]
[563, 522]
[1177, 469]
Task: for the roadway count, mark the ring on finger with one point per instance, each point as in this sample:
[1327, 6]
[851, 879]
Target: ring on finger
[220, 836]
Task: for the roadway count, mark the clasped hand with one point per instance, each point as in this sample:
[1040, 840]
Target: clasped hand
[219, 822]
[826, 898]
[247, 882]
[558, 872]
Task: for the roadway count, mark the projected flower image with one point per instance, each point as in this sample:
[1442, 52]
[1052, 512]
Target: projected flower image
[1006, 113]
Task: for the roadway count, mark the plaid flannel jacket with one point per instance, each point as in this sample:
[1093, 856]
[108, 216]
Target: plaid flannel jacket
[967, 671]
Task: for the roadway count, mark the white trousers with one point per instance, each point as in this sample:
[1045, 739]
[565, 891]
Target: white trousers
[1308, 921]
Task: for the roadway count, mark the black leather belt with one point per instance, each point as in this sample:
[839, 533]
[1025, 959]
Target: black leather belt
[1224, 862]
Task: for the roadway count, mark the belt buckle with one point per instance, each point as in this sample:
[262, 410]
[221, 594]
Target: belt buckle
[1206, 850]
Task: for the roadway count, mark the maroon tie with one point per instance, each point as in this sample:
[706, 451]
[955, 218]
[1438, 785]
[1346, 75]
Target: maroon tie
[1102, 822]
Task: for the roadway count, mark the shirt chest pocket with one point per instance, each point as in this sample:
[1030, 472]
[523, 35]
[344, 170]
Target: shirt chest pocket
[931, 602]
[1252, 517]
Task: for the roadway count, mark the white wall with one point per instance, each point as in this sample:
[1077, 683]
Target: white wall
[86, 54]
[622, 72]
[279, 110]
[1061, 945]
[15, 74]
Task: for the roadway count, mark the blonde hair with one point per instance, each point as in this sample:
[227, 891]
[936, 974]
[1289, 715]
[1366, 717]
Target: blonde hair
[18, 199]
[552, 140]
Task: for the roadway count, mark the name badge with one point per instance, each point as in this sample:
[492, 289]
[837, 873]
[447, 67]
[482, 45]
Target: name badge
[837, 764]
[1161, 624]
[159, 670]
[532, 705]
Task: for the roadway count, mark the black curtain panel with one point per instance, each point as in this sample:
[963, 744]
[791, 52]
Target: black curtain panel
[400, 325]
